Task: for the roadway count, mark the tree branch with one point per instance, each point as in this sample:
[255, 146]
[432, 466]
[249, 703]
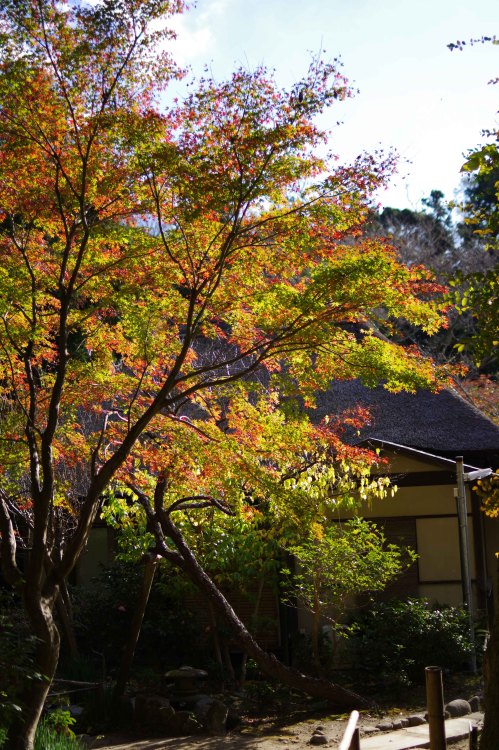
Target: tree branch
[8, 545]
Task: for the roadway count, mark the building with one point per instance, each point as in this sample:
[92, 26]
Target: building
[421, 435]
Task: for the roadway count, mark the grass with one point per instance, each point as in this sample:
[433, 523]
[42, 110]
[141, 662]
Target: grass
[47, 739]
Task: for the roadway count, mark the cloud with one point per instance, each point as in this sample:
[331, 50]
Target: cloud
[196, 31]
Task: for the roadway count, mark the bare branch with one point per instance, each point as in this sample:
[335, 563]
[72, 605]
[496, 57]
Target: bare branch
[193, 501]
[8, 545]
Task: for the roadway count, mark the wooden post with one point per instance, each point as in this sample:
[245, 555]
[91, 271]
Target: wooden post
[473, 737]
[435, 703]
[355, 743]
[464, 552]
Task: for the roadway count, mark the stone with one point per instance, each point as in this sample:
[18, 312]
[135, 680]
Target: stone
[186, 673]
[87, 740]
[318, 738]
[233, 719]
[446, 715]
[212, 714]
[415, 720]
[183, 723]
[475, 703]
[153, 711]
[165, 714]
[384, 726]
[185, 681]
[370, 730]
[398, 724]
[457, 708]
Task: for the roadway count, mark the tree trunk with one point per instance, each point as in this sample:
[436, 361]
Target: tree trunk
[64, 611]
[222, 655]
[227, 662]
[216, 640]
[490, 733]
[316, 622]
[129, 652]
[338, 696]
[256, 609]
[22, 732]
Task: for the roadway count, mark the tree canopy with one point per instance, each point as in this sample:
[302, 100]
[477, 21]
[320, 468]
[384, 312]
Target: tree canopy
[171, 279]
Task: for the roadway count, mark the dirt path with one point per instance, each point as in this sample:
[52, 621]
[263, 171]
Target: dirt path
[293, 737]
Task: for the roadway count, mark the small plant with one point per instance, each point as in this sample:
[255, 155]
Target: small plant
[61, 721]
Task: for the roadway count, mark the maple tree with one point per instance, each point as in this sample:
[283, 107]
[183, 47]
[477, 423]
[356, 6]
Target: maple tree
[261, 496]
[171, 278]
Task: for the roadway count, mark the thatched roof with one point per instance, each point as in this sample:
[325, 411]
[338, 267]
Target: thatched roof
[441, 423]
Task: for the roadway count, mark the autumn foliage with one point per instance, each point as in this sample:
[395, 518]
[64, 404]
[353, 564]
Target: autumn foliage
[171, 279]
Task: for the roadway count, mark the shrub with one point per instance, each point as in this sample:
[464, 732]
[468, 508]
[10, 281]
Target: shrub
[396, 640]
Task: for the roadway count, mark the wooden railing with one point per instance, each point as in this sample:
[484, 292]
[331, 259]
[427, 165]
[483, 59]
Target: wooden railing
[350, 739]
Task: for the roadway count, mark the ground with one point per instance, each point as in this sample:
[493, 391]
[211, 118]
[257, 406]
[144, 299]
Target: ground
[277, 723]
[293, 737]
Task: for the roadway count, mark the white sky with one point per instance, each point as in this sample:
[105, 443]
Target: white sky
[415, 95]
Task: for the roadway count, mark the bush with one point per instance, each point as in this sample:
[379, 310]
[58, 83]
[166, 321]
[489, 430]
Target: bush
[396, 640]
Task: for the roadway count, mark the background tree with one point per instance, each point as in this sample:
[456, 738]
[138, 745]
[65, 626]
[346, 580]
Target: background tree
[115, 341]
[425, 236]
[480, 188]
[461, 254]
[456, 254]
[478, 291]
